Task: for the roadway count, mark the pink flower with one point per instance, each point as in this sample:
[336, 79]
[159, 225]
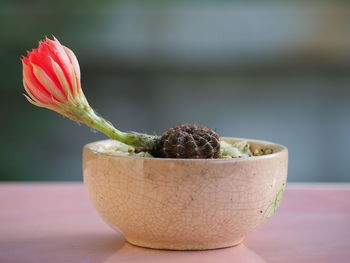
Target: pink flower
[51, 77]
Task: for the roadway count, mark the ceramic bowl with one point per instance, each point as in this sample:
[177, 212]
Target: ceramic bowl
[185, 204]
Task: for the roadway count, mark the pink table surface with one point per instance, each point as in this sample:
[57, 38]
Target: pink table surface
[56, 223]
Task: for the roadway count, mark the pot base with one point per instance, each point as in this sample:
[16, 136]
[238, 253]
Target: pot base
[174, 246]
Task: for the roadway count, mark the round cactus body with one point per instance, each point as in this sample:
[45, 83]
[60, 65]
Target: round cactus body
[188, 141]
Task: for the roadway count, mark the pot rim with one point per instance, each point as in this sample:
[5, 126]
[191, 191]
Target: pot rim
[280, 149]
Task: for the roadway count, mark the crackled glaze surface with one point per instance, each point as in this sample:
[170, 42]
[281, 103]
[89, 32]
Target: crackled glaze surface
[185, 204]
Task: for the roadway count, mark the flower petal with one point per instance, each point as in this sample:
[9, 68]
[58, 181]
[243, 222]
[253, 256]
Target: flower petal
[61, 78]
[41, 56]
[76, 68]
[74, 61]
[63, 60]
[48, 83]
[34, 87]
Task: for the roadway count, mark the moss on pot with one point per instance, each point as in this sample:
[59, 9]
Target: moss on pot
[238, 149]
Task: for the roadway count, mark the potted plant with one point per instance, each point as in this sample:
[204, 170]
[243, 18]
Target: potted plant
[188, 189]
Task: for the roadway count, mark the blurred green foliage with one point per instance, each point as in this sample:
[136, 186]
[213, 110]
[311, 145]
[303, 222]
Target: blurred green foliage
[275, 71]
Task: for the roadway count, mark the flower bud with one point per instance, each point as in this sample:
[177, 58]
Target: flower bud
[51, 78]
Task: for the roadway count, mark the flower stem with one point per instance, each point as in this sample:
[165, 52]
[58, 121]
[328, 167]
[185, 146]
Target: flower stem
[140, 140]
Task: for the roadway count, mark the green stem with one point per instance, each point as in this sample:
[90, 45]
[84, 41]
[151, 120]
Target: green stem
[91, 119]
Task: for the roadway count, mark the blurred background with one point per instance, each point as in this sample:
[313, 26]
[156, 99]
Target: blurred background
[277, 71]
